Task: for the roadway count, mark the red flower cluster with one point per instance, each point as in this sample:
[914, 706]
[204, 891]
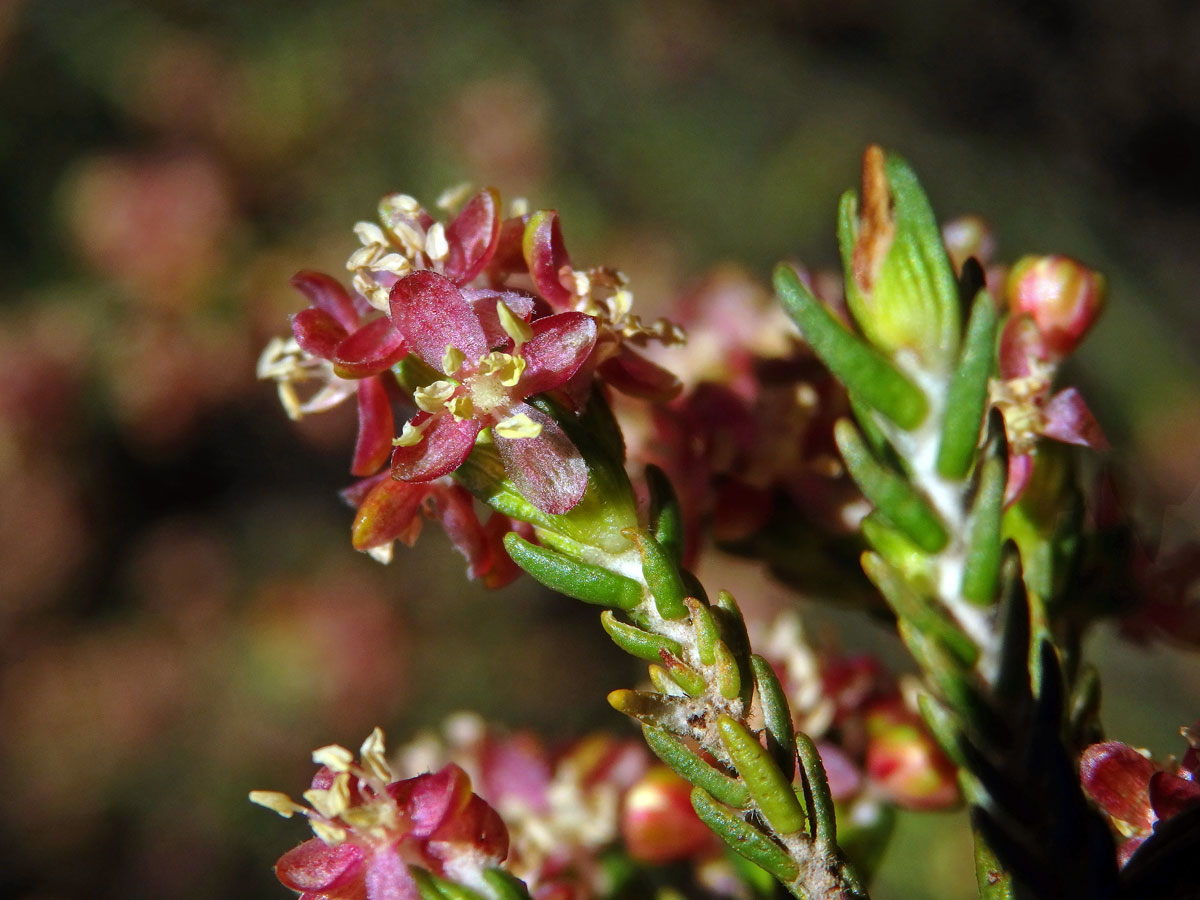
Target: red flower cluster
[1136, 792]
[370, 829]
[488, 313]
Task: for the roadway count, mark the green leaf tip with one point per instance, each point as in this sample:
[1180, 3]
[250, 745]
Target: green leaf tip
[888, 492]
[662, 575]
[966, 397]
[635, 641]
[770, 788]
[744, 838]
[580, 580]
[693, 769]
[866, 373]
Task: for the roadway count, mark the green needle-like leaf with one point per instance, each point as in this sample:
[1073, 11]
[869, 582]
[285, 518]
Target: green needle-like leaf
[816, 791]
[729, 673]
[505, 885]
[919, 612]
[966, 397]
[743, 837]
[636, 642]
[693, 769]
[984, 544]
[889, 492]
[666, 518]
[662, 575]
[865, 372]
[580, 580]
[769, 787]
[705, 626]
[777, 716]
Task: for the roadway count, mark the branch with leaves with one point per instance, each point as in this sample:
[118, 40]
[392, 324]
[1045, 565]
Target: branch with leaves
[503, 364]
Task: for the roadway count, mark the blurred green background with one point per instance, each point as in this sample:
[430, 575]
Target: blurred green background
[181, 615]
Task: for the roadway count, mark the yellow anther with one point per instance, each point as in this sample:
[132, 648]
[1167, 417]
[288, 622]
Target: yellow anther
[330, 834]
[454, 197]
[276, 801]
[369, 233]
[362, 257]
[437, 247]
[433, 397]
[374, 756]
[452, 360]
[518, 207]
[518, 426]
[410, 434]
[514, 326]
[462, 407]
[332, 801]
[506, 366]
[334, 757]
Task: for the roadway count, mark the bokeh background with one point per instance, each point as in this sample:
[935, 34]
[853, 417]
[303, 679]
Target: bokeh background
[181, 616]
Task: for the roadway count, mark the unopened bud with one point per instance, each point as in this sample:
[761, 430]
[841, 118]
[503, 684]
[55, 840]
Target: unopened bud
[1063, 296]
[658, 822]
[966, 237]
[904, 762]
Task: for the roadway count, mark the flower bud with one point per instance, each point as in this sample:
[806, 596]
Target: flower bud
[658, 822]
[903, 760]
[1063, 296]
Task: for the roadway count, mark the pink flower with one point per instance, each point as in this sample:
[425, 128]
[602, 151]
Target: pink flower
[490, 372]
[333, 330]
[390, 510]
[370, 829]
[1136, 792]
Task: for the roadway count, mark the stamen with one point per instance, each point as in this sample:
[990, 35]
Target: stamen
[410, 436]
[452, 360]
[277, 801]
[514, 326]
[432, 397]
[454, 197]
[334, 757]
[518, 426]
[373, 756]
[437, 247]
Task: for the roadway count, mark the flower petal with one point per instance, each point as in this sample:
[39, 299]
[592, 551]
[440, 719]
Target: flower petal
[559, 346]
[315, 866]
[444, 447]
[376, 427]
[374, 348]
[433, 798]
[473, 236]
[1117, 777]
[632, 374]
[477, 827]
[548, 470]
[484, 302]
[1020, 342]
[391, 511]
[388, 877]
[327, 293]
[1170, 795]
[432, 314]
[1069, 420]
[546, 256]
[456, 511]
[317, 332]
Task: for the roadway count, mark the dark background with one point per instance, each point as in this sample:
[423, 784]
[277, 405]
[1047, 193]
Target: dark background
[181, 616]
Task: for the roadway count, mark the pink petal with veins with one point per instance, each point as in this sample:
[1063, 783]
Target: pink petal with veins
[484, 303]
[473, 236]
[432, 314]
[317, 332]
[546, 256]
[559, 346]
[376, 428]
[389, 512]
[1117, 777]
[328, 294]
[315, 866]
[374, 348]
[456, 511]
[388, 877]
[632, 374]
[444, 447]
[548, 470]
[1069, 420]
[1170, 795]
